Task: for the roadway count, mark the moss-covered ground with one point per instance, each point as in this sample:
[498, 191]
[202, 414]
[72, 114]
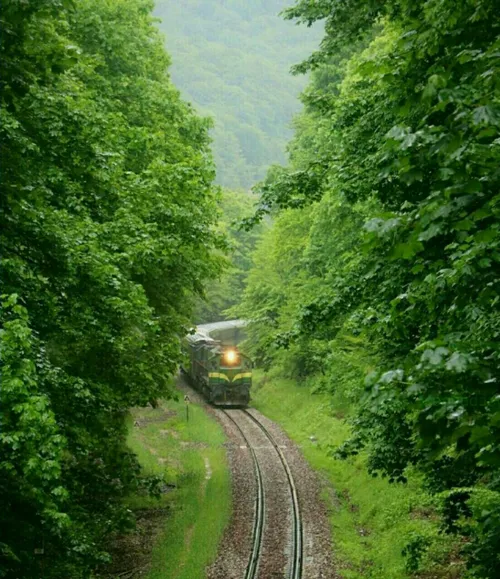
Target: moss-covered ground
[191, 456]
[372, 520]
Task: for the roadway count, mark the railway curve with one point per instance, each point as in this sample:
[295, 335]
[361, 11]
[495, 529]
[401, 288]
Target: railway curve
[284, 534]
[296, 557]
[253, 563]
[277, 536]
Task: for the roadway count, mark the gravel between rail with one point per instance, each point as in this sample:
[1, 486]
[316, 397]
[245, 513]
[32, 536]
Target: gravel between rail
[258, 523]
[276, 547]
[295, 551]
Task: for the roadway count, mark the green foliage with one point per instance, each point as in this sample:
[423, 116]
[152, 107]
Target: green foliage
[232, 58]
[272, 284]
[397, 157]
[483, 526]
[224, 292]
[31, 443]
[107, 233]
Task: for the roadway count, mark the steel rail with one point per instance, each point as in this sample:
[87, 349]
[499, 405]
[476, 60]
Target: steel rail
[253, 562]
[296, 566]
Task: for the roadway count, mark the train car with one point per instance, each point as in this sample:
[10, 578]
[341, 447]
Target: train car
[216, 367]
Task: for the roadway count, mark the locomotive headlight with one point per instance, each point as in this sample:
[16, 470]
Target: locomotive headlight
[230, 356]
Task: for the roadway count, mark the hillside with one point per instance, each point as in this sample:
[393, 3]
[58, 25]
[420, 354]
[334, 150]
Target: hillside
[232, 60]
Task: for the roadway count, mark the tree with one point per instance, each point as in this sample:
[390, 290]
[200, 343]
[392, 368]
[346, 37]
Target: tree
[232, 60]
[402, 121]
[226, 291]
[107, 233]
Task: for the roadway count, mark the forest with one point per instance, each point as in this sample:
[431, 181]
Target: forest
[379, 280]
[232, 60]
[366, 260]
[107, 232]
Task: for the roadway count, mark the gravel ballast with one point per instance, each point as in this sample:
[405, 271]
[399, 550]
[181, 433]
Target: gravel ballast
[318, 553]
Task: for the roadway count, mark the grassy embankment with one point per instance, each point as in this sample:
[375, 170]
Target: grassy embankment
[191, 456]
[372, 520]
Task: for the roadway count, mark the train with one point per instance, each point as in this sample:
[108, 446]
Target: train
[215, 366]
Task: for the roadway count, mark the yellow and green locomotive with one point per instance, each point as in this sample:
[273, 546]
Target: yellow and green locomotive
[215, 366]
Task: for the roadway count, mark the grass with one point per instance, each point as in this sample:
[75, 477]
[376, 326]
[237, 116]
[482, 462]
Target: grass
[371, 520]
[190, 455]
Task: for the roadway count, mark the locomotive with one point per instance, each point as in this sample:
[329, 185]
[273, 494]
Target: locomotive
[215, 366]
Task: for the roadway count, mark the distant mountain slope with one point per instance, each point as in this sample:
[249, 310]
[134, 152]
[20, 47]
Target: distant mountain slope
[231, 58]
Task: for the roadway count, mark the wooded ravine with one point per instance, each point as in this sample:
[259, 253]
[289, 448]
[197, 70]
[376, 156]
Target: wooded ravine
[366, 259]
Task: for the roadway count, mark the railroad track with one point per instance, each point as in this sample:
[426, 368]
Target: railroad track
[253, 562]
[295, 568]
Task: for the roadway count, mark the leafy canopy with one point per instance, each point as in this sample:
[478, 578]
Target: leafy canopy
[400, 135]
[107, 235]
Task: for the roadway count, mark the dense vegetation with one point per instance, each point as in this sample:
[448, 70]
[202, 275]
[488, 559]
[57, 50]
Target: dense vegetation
[385, 252]
[226, 291]
[107, 233]
[378, 283]
[232, 59]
